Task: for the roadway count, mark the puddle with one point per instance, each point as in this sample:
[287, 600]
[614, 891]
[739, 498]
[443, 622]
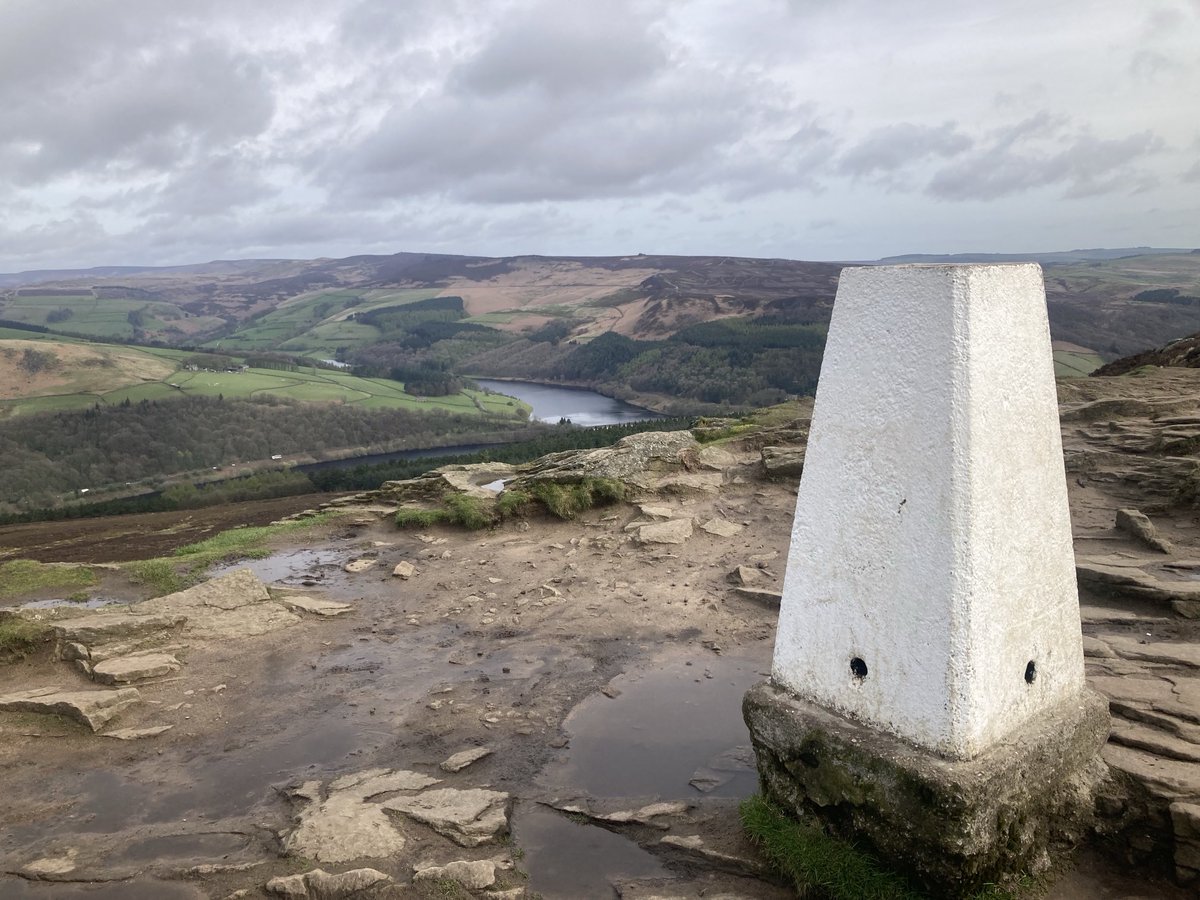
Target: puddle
[665, 727]
[494, 486]
[94, 603]
[292, 567]
[148, 889]
[567, 859]
[185, 846]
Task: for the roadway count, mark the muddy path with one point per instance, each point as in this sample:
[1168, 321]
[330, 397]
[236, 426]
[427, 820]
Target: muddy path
[562, 647]
[140, 535]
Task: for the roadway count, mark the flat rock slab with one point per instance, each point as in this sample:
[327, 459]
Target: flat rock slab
[318, 606]
[360, 565]
[464, 758]
[1135, 582]
[346, 825]
[468, 817]
[93, 628]
[128, 669]
[1167, 652]
[231, 606]
[95, 709]
[321, 885]
[673, 531]
[722, 527]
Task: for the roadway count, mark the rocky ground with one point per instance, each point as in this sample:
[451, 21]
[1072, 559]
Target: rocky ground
[548, 707]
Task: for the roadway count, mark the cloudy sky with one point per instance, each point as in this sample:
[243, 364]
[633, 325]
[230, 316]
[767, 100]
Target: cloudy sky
[145, 132]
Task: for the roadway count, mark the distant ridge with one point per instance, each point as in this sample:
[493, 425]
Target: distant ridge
[1061, 256]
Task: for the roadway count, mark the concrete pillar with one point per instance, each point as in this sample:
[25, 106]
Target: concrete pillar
[929, 604]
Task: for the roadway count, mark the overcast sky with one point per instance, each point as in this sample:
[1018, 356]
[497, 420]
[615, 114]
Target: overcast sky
[151, 132]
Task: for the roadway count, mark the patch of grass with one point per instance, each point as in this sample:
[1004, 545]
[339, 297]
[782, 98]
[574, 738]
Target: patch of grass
[158, 574]
[568, 500]
[469, 512]
[167, 574]
[411, 517]
[19, 636]
[820, 866]
[513, 503]
[247, 542]
[23, 576]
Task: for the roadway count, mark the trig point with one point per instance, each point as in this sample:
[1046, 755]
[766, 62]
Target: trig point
[927, 695]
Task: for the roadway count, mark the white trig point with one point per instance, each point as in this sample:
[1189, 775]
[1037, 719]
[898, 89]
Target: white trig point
[930, 587]
[927, 695]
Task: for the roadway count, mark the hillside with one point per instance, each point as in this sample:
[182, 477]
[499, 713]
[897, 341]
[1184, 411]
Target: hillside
[316, 307]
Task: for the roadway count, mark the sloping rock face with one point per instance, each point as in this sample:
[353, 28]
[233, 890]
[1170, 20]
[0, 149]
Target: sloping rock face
[95, 709]
[1131, 451]
[432, 486]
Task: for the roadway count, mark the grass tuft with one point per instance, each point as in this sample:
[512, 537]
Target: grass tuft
[23, 576]
[568, 500]
[410, 517]
[19, 636]
[513, 503]
[159, 574]
[469, 512]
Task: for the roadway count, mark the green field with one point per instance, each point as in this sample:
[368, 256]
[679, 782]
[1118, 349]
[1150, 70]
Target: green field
[1074, 364]
[317, 324]
[95, 316]
[312, 385]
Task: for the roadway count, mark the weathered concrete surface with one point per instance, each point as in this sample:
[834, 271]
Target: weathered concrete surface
[95, 709]
[954, 824]
[931, 564]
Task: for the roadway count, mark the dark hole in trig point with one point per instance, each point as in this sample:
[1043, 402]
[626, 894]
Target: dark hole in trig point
[858, 668]
[1030, 672]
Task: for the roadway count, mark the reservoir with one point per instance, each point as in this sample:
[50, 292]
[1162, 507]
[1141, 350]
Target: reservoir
[585, 408]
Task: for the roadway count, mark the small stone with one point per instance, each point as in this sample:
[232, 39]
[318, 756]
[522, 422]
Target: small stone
[721, 527]
[474, 875]
[1135, 522]
[464, 758]
[127, 669]
[673, 531]
[404, 570]
[315, 605]
[134, 734]
[360, 565]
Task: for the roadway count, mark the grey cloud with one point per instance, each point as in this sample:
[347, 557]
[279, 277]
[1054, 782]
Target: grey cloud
[1037, 153]
[147, 110]
[886, 150]
[561, 48]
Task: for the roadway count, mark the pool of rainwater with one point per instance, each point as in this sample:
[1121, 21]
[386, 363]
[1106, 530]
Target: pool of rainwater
[294, 567]
[671, 731]
[93, 603]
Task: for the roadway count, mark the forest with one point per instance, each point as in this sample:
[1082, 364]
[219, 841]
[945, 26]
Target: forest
[733, 363]
[52, 454]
